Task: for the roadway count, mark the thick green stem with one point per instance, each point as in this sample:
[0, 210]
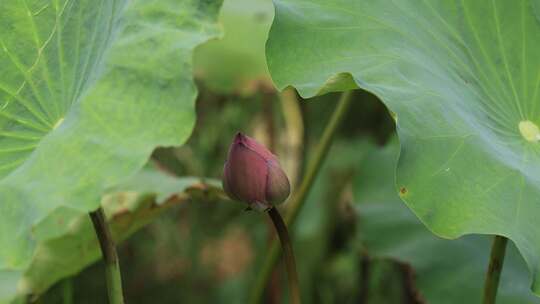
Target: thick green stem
[298, 198]
[67, 291]
[493, 274]
[110, 257]
[288, 255]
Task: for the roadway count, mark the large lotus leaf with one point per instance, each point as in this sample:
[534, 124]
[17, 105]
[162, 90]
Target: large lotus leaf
[87, 90]
[462, 78]
[440, 267]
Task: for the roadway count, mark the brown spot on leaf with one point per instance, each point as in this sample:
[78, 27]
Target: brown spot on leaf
[403, 191]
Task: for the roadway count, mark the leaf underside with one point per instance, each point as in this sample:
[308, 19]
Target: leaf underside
[129, 206]
[440, 267]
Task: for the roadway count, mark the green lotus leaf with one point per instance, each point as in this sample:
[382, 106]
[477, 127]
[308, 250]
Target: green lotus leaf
[462, 78]
[88, 89]
[388, 229]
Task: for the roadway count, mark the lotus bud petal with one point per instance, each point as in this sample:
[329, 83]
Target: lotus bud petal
[277, 188]
[252, 174]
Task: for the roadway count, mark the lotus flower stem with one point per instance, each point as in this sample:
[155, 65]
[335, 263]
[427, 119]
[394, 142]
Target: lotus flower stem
[496, 260]
[281, 228]
[298, 198]
[67, 291]
[108, 250]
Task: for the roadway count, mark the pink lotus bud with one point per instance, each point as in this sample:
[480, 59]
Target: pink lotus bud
[252, 174]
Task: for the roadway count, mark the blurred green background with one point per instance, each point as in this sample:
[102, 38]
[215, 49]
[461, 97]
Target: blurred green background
[355, 241]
